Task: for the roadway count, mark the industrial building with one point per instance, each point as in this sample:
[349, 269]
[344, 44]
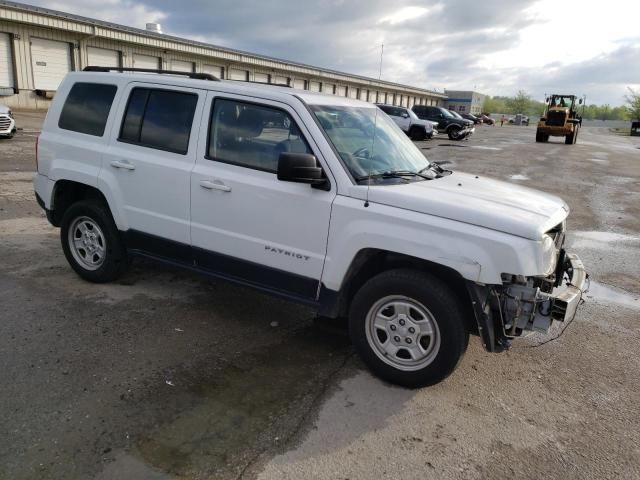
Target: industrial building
[465, 101]
[38, 47]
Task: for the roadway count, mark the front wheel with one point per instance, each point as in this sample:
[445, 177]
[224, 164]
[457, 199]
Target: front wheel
[91, 242]
[408, 328]
[454, 133]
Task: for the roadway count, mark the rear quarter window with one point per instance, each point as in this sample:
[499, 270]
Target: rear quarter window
[86, 108]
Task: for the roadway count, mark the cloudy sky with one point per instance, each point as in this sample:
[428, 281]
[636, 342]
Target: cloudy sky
[494, 46]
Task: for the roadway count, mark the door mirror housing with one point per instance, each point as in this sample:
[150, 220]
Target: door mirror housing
[301, 168]
[580, 102]
[405, 115]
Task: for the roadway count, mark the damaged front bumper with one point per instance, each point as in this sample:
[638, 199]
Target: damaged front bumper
[524, 304]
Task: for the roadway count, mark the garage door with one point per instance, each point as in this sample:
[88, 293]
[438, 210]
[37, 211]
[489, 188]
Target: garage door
[342, 91]
[282, 81]
[6, 65]
[314, 86]
[181, 66]
[51, 62]
[299, 84]
[214, 70]
[235, 74]
[363, 94]
[261, 77]
[146, 61]
[328, 88]
[102, 57]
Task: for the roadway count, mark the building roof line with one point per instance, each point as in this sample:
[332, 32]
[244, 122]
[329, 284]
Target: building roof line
[161, 36]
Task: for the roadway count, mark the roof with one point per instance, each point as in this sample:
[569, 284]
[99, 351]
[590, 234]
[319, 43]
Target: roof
[184, 41]
[270, 91]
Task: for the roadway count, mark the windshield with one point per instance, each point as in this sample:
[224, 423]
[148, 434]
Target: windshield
[413, 115]
[446, 113]
[369, 144]
[561, 101]
[455, 114]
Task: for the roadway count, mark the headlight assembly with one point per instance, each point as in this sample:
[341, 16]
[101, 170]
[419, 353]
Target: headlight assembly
[549, 254]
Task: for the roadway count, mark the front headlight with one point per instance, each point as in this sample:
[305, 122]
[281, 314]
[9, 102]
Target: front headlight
[549, 255]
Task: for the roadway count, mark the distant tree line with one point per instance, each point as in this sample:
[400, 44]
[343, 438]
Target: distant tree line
[523, 103]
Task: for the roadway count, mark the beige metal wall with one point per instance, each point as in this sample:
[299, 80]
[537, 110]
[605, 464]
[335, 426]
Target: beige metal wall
[81, 36]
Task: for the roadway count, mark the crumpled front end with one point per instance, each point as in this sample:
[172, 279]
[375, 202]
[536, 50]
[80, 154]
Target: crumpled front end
[529, 304]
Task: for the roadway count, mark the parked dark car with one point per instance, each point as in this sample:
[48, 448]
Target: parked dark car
[487, 119]
[472, 117]
[456, 128]
[635, 129]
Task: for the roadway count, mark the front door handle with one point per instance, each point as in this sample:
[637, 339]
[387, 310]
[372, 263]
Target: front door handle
[122, 164]
[214, 185]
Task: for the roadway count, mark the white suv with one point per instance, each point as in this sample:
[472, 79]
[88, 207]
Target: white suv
[310, 197]
[7, 122]
[409, 122]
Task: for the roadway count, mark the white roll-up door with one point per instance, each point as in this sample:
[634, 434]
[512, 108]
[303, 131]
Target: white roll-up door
[214, 70]
[363, 94]
[6, 63]
[282, 81]
[236, 74]
[353, 92]
[181, 66]
[314, 86]
[328, 88]
[51, 62]
[261, 77]
[146, 61]
[101, 57]
[342, 91]
[299, 84]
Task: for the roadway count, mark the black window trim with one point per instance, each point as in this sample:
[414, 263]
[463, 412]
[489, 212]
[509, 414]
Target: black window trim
[113, 100]
[257, 104]
[155, 147]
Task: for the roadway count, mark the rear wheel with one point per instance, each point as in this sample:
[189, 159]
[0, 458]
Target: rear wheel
[91, 242]
[408, 328]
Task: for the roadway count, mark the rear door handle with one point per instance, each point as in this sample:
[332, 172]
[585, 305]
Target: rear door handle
[214, 185]
[122, 164]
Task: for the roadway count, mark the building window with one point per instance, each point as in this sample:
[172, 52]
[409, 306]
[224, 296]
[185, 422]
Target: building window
[461, 108]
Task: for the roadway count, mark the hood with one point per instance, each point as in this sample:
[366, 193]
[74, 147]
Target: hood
[480, 201]
[4, 109]
[429, 125]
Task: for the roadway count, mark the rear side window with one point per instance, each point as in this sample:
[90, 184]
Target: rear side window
[87, 107]
[160, 119]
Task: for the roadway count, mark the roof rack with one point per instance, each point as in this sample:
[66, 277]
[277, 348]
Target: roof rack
[261, 83]
[197, 76]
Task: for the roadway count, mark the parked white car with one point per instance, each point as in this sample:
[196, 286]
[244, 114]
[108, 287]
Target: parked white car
[409, 122]
[7, 122]
[310, 197]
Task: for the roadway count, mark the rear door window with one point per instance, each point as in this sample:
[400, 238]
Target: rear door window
[87, 108]
[160, 119]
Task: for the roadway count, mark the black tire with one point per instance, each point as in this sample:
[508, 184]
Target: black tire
[541, 137]
[572, 137]
[115, 260]
[417, 134]
[425, 291]
[454, 132]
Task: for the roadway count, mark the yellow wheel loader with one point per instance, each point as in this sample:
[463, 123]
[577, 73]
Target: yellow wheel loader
[560, 119]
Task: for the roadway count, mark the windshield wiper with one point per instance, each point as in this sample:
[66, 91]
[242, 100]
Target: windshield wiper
[394, 174]
[435, 167]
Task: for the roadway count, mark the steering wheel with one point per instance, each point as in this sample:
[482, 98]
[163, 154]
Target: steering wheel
[362, 152]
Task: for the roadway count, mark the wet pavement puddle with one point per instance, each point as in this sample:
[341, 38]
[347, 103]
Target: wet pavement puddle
[605, 294]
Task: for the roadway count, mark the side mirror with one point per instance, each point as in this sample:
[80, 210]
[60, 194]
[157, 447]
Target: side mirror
[546, 99]
[441, 115]
[301, 168]
[580, 102]
[405, 115]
